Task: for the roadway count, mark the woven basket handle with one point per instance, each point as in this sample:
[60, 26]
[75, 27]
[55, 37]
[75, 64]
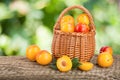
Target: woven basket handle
[56, 26]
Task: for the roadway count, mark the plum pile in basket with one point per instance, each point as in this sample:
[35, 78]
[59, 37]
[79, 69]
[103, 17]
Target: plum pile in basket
[74, 40]
[67, 24]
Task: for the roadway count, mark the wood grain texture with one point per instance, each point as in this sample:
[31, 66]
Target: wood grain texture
[20, 68]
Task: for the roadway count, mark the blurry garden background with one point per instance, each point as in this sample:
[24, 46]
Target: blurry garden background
[27, 22]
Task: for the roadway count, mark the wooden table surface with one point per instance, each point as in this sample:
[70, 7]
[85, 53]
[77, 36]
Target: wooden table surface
[20, 68]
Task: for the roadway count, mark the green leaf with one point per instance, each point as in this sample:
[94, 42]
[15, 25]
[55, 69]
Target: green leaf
[75, 63]
[53, 64]
[53, 67]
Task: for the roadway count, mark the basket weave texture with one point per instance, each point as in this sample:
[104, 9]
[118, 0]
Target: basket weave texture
[76, 44]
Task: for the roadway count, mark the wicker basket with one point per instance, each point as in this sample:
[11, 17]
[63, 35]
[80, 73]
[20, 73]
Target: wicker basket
[79, 45]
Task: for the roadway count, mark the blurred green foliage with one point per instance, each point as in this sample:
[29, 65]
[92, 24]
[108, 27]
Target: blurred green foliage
[27, 22]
